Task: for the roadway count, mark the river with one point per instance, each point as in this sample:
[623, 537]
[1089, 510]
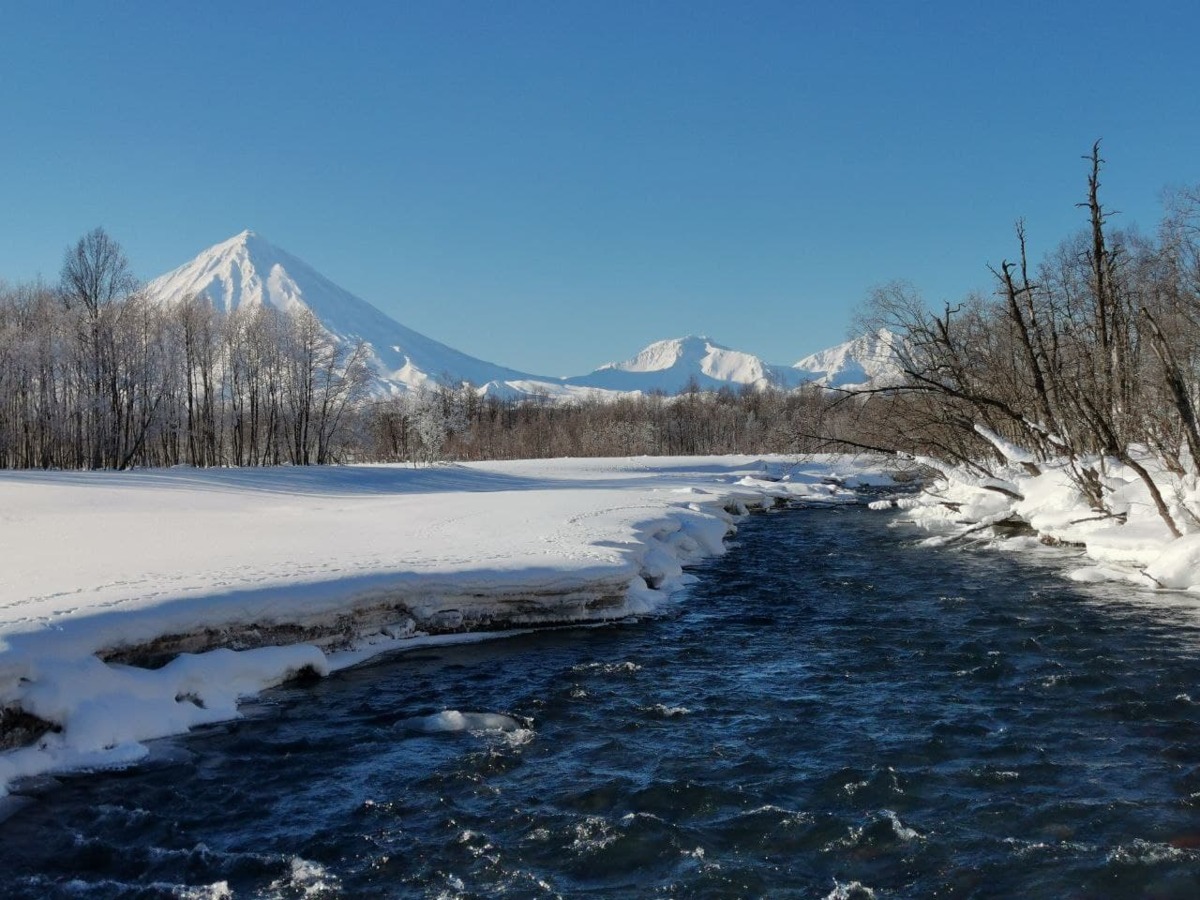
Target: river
[832, 711]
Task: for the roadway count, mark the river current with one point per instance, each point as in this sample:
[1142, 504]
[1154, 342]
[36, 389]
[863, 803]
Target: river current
[831, 712]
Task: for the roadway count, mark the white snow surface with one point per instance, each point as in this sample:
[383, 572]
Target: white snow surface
[98, 561]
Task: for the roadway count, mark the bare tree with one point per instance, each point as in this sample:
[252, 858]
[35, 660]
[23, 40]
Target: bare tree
[95, 277]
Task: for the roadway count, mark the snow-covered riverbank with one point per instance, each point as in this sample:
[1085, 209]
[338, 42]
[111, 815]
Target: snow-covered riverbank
[137, 605]
[1027, 503]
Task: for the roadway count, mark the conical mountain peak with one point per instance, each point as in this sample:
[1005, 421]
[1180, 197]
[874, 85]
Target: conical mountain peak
[246, 270]
[250, 247]
[243, 240]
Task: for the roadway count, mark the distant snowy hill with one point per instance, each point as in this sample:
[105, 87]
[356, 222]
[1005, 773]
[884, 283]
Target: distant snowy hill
[248, 271]
[864, 361]
[672, 365]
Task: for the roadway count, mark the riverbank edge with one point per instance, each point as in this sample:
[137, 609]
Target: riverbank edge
[365, 628]
[1025, 505]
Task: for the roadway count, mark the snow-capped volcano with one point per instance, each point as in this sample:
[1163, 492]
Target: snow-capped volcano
[672, 365]
[247, 270]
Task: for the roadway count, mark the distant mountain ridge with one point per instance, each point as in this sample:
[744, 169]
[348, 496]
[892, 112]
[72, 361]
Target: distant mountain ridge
[869, 360]
[675, 364]
[249, 271]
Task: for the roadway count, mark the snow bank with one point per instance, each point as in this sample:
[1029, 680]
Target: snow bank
[138, 605]
[103, 712]
[1127, 540]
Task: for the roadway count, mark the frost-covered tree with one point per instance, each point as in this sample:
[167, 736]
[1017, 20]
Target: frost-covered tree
[431, 425]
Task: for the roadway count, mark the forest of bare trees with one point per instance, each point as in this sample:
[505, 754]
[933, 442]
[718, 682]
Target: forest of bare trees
[458, 424]
[95, 375]
[1089, 355]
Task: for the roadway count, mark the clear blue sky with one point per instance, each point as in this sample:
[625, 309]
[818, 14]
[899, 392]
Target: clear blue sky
[553, 185]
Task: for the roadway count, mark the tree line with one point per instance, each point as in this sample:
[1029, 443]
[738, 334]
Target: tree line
[1088, 356]
[94, 374]
[459, 424]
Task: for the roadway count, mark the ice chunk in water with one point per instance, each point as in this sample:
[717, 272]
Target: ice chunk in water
[453, 720]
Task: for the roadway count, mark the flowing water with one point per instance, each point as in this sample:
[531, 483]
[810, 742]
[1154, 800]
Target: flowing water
[831, 712]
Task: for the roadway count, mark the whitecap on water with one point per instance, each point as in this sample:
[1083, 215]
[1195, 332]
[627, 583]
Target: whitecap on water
[901, 830]
[455, 888]
[305, 879]
[989, 775]
[1147, 853]
[593, 833]
[698, 859]
[634, 817]
[621, 668]
[477, 844]
[786, 818]
[855, 890]
[886, 828]
[1024, 848]
[667, 712]
[219, 890]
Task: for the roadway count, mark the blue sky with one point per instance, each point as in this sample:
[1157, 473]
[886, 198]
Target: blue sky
[553, 185]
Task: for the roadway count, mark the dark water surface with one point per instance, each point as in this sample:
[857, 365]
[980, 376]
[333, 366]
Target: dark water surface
[832, 712]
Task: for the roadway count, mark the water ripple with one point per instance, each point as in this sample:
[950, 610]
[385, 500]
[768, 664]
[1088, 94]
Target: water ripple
[833, 712]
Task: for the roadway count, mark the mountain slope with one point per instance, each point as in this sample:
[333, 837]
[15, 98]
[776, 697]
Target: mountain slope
[672, 365]
[248, 271]
[869, 360]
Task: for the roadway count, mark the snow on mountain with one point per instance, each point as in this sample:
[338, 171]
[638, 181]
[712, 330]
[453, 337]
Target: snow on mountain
[248, 271]
[672, 365]
[867, 360]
